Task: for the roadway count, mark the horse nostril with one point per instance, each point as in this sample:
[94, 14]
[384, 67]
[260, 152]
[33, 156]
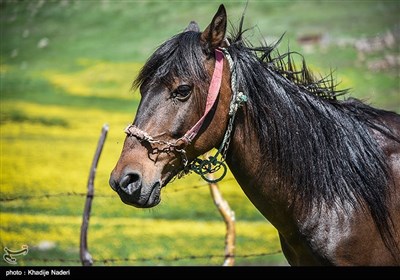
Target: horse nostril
[131, 183]
[113, 184]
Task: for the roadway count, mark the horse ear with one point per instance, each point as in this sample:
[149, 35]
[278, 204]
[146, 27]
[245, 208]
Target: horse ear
[193, 26]
[213, 36]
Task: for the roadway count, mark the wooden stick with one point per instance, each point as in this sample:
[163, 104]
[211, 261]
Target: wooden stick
[229, 218]
[85, 256]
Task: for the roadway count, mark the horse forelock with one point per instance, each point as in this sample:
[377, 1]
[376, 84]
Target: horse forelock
[180, 56]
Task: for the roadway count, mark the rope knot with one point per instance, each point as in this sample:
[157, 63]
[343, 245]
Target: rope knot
[238, 101]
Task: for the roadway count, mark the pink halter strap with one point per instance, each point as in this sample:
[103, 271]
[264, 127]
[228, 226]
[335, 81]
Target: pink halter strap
[213, 92]
[186, 139]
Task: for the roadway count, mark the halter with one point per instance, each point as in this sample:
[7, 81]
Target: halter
[212, 164]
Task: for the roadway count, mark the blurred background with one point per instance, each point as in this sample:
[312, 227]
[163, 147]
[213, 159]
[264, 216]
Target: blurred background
[67, 68]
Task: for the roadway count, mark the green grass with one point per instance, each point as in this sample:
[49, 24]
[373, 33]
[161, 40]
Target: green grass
[54, 101]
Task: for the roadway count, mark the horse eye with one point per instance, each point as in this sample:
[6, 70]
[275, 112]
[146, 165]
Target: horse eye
[182, 92]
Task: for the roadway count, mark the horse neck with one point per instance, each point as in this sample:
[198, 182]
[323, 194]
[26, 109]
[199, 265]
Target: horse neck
[247, 163]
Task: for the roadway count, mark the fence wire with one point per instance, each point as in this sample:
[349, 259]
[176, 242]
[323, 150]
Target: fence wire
[69, 194]
[153, 259]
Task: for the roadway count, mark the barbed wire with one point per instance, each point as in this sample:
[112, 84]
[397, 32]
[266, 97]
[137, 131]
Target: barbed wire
[72, 194]
[159, 258]
[49, 195]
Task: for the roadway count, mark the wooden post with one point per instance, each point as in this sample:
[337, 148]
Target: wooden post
[229, 218]
[85, 256]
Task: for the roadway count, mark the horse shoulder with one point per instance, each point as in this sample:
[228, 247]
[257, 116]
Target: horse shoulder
[391, 149]
[338, 236]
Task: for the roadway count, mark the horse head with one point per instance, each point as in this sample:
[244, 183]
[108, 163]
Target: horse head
[183, 112]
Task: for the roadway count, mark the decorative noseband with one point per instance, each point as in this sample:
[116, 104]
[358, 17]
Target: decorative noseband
[164, 146]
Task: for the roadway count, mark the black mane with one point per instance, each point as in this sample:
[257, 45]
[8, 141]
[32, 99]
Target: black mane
[320, 145]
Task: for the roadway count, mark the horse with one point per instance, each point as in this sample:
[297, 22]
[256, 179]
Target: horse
[323, 170]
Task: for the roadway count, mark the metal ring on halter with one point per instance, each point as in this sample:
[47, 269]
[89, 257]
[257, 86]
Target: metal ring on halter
[210, 170]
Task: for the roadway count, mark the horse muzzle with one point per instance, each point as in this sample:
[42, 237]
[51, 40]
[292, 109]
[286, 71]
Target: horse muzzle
[133, 191]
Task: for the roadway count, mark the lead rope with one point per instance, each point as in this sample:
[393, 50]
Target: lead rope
[203, 167]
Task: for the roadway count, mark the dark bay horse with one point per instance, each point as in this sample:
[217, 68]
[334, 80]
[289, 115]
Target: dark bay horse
[325, 172]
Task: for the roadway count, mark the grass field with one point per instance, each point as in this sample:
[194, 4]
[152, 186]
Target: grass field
[67, 68]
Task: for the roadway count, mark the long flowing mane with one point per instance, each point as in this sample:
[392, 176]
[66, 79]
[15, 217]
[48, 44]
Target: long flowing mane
[321, 146]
